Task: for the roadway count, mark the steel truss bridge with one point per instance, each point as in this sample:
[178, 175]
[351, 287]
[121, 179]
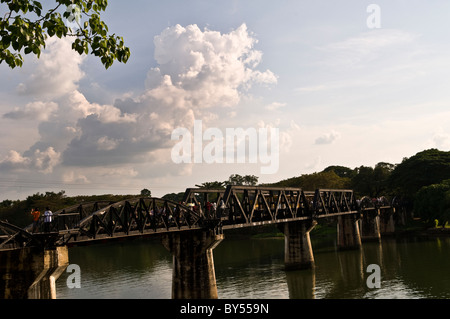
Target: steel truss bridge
[220, 210]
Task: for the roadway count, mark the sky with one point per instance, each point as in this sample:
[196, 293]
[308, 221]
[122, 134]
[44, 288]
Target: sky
[313, 83]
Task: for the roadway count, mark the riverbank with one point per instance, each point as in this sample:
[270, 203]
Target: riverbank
[272, 231]
[417, 227]
[323, 230]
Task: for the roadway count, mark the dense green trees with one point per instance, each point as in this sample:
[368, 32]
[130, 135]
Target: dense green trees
[324, 179]
[341, 171]
[422, 180]
[423, 169]
[247, 180]
[364, 180]
[433, 202]
[175, 197]
[235, 179]
[146, 192]
[212, 185]
[372, 182]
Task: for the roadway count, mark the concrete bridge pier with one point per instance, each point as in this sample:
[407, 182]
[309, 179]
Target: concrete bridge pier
[370, 225]
[31, 272]
[348, 235]
[193, 264]
[387, 223]
[298, 253]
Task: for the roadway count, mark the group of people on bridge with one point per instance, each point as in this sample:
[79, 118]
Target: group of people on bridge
[46, 219]
[212, 210]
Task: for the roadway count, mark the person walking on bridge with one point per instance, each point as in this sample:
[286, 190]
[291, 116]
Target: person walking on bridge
[48, 218]
[36, 214]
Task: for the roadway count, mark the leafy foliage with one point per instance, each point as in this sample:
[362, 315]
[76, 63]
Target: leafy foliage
[175, 197]
[27, 25]
[423, 169]
[310, 182]
[146, 192]
[212, 185]
[372, 182]
[341, 171]
[433, 202]
[235, 179]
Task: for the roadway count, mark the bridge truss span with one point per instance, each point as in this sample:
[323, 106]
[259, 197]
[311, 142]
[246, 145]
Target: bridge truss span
[13, 237]
[333, 202]
[240, 206]
[134, 217]
[200, 209]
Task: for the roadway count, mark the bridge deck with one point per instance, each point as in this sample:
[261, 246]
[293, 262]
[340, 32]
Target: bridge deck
[221, 210]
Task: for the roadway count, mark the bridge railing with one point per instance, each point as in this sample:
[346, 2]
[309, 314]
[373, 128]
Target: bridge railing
[235, 206]
[136, 216]
[67, 218]
[13, 237]
[334, 201]
[250, 204]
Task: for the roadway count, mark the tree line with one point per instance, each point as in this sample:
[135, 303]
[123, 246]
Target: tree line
[234, 179]
[422, 181]
[17, 212]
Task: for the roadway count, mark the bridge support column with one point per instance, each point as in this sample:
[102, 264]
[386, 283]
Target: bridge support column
[31, 273]
[298, 253]
[193, 264]
[348, 235]
[387, 223]
[370, 225]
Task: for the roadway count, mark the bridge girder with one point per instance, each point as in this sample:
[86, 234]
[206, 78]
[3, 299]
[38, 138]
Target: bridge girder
[218, 209]
[135, 217]
[246, 205]
[13, 237]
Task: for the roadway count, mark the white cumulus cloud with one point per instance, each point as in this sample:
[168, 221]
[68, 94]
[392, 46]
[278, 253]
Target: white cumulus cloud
[56, 72]
[39, 111]
[203, 69]
[198, 72]
[328, 138]
[42, 161]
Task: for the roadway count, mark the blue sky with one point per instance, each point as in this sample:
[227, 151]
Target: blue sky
[338, 91]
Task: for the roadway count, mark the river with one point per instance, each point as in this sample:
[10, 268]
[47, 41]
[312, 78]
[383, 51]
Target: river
[410, 267]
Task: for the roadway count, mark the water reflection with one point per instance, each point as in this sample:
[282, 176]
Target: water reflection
[137, 269]
[410, 268]
[301, 284]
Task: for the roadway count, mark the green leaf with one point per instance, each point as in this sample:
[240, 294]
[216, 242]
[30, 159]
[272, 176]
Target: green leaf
[28, 34]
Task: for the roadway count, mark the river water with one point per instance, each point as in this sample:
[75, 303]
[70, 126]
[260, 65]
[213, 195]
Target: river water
[254, 269]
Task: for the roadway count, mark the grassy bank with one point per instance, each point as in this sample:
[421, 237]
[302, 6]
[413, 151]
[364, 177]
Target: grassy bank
[272, 231]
